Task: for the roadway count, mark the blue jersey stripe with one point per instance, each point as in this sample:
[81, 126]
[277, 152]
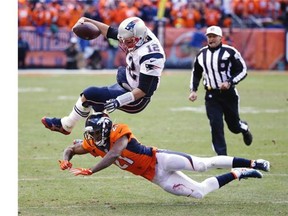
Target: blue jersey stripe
[152, 55]
[136, 147]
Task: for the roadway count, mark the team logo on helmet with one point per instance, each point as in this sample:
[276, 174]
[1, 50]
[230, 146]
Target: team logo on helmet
[131, 25]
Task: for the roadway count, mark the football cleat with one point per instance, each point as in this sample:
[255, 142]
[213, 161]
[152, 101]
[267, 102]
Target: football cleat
[261, 164]
[54, 124]
[247, 136]
[244, 173]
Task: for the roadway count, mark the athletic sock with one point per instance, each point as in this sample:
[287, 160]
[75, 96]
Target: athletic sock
[78, 112]
[225, 178]
[241, 162]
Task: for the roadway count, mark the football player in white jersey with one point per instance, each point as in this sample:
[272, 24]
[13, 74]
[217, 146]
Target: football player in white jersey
[136, 82]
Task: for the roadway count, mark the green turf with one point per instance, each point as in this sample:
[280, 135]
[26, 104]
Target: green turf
[169, 122]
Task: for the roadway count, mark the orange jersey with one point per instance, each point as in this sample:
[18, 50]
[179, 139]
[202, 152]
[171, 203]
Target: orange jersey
[136, 158]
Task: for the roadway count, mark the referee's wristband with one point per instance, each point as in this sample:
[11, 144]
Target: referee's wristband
[125, 99]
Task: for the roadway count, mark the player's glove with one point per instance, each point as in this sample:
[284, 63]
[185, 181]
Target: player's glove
[65, 164]
[111, 105]
[81, 171]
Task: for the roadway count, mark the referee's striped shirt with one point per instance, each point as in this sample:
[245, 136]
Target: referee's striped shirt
[220, 64]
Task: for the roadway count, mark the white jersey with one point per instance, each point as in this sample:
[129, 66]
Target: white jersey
[148, 59]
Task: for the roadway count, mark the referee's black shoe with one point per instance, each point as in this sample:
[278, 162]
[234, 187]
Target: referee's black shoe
[247, 137]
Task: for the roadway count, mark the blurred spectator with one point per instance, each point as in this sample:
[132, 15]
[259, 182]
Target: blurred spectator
[191, 16]
[54, 8]
[251, 8]
[263, 8]
[275, 9]
[148, 11]
[212, 16]
[23, 48]
[112, 51]
[75, 12]
[197, 41]
[88, 11]
[72, 52]
[178, 18]
[35, 12]
[39, 17]
[120, 13]
[24, 14]
[227, 21]
[63, 17]
[93, 58]
[106, 12]
[239, 8]
[132, 10]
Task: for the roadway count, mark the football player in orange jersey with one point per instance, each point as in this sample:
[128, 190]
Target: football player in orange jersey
[116, 144]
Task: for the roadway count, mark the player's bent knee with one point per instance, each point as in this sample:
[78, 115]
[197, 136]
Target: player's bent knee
[201, 167]
[199, 192]
[197, 195]
[182, 190]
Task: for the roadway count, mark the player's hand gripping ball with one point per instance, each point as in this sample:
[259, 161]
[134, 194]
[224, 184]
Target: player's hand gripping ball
[86, 30]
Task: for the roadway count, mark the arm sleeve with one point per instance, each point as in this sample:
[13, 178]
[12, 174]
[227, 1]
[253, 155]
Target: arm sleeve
[196, 76]
[148, 84]
[112, 33]
[238, 69]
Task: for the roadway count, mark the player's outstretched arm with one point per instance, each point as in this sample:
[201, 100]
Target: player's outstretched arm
[112, 155]
[106, 161]
[68, 154]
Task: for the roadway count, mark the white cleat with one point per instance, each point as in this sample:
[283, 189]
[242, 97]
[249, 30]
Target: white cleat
[244, 173]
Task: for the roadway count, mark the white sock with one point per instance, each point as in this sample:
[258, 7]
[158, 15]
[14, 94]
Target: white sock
[78, 112]
[210, 184]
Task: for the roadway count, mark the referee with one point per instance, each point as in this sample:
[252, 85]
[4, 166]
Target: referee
[223, 68]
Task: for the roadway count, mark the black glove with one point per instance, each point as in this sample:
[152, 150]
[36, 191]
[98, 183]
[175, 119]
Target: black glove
[111, 105]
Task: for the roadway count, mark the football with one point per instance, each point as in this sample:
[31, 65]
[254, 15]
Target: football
[86, 30]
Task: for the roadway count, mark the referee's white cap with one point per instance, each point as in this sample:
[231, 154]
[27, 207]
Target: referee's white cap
[214, 30]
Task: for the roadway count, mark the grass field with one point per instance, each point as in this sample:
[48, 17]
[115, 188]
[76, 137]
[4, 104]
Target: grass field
[171, 122]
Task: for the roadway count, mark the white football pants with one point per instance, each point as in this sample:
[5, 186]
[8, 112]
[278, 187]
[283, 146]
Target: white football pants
[169, 176]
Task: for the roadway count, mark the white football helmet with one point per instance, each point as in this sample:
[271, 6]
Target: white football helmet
[132, 33]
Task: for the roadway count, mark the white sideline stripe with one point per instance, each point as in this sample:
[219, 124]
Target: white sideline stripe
[67, 98]
[64, 71]
[40, 89]
[78, 178]
[130, 177]
[35, 89]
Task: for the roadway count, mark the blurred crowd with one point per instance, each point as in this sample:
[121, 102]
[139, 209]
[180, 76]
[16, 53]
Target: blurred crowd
[53, 15]
[177, 13]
